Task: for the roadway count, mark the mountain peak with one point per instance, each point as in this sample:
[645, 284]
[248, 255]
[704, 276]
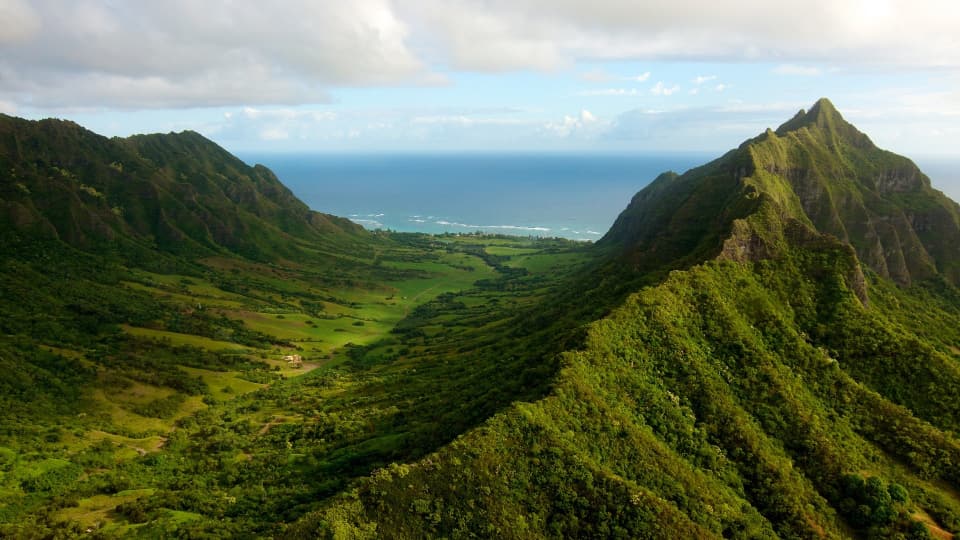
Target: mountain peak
[824, 106]
[823, 117]
[822, 114]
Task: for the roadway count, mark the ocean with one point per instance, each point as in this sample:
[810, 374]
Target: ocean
[575, 196]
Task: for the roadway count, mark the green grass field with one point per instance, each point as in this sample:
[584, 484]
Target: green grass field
[183, 339]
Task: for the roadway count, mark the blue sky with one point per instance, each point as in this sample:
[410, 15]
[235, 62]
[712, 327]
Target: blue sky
[496, 75]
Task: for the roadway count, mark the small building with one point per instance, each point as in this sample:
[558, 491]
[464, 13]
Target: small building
[294, 360]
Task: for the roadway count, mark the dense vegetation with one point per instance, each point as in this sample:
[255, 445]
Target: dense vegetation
[765, 346]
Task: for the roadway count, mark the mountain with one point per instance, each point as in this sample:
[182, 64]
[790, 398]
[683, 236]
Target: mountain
[788, 368]
[823, 175]
[179, 193]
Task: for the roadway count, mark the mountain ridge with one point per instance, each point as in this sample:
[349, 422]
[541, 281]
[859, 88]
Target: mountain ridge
[179, 192]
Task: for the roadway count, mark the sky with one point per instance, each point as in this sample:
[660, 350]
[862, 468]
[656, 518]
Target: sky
[485, 75]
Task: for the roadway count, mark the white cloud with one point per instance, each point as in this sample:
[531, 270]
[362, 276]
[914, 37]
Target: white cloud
[584, 125]
[794, 69]
[547, 34]
[721, 87]
[181, 53]
[700, 79]
[469, 36]
[660, 89]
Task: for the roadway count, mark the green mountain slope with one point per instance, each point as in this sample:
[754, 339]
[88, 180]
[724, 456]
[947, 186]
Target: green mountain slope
[791, 372]
[822, 172]
[179, 193]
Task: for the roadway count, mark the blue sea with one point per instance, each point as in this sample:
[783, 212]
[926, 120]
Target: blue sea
[575, 196]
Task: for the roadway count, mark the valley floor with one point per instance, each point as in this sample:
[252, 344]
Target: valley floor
[234, 382]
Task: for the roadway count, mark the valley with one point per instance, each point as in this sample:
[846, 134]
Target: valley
[246, 393]
[765, 346]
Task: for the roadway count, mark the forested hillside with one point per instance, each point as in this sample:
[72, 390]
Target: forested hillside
[187, 349]
[177, 193]
[791, 372]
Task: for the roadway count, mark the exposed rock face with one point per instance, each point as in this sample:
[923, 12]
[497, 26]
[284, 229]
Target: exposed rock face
[900, 180]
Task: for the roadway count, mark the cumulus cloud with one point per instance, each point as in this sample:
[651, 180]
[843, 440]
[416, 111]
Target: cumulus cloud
[546, 34]
[700, 79]
[661, 89]
[475, 36]
[181, 53]
[586, 124]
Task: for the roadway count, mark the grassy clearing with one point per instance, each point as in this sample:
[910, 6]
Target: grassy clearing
[224, 385]
[175, 338]
[187, 297]
[123, 420]
[94, 512]
[141, 445]
[542, 263]
[510, 251]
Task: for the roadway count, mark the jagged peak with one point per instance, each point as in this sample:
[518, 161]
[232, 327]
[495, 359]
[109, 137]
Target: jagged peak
[824, 108]
[823, 116]
[822, 113]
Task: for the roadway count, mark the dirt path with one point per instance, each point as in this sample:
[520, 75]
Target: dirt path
[413, 300]
[274, 420]
[935, 529]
